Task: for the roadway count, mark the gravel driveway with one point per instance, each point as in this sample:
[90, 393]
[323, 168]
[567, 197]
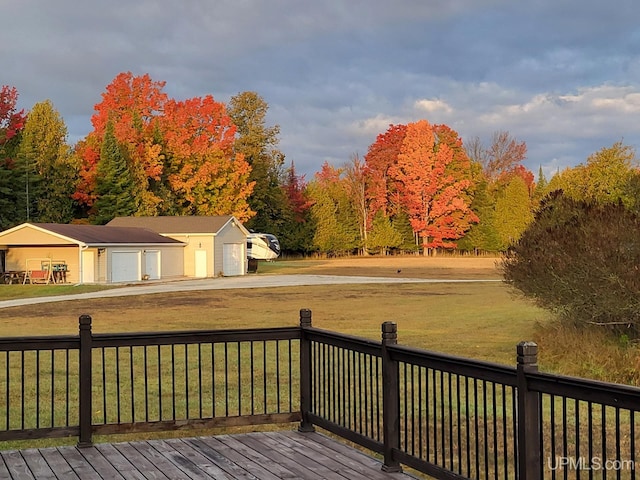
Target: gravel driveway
[245, 281]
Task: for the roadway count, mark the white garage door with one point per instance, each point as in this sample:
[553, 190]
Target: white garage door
[125, 267]
[152, 264]
[232, 261]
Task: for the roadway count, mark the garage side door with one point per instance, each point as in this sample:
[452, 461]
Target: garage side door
[152, 264]
[233, 260]
[125, 267]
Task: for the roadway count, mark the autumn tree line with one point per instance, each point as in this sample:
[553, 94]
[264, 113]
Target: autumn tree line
[418, 188]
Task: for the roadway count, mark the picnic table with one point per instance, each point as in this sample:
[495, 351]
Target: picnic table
[12, 276]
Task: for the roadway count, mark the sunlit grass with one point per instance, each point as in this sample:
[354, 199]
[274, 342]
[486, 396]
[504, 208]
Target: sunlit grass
[11, 292]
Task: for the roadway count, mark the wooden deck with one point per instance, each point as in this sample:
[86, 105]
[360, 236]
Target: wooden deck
[269, 455]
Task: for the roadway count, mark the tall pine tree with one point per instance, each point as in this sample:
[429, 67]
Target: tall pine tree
[115, 185]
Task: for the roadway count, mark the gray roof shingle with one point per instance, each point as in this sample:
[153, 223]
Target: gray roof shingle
[101, 234]
[174, 224]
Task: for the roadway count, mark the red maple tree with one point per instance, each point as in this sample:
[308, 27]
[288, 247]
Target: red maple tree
[294, 188]
[11, 120]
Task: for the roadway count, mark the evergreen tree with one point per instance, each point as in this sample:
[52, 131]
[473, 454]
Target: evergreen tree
[513, 212]
[116, 187]
[542, 187]
[298, 228]
[483, 235]
[12, 186]
[337, 230]
[383, 236]
[402, 224]
[12, 180]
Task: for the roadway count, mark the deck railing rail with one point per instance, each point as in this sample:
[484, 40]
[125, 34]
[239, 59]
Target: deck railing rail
[446, 416]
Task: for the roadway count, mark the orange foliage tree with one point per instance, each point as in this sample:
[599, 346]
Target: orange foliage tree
[203, 172]
[381, 156]
[180, 153]
[433, 178]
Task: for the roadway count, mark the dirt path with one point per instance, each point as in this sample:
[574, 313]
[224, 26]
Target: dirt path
[407, 267]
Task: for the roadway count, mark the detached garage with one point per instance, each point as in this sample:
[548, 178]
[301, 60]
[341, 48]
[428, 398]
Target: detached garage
[214, 245]
[91, 253]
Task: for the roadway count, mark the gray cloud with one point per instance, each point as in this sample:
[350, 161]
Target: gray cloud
[560, 75]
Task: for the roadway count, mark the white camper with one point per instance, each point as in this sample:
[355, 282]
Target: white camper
[262, 246]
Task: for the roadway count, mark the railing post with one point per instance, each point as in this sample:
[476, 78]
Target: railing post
[85, 381]
[529, 466]
[305, 372]
[390, 399]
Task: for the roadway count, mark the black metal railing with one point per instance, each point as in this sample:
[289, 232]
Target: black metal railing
[123, 383]
[443, 415]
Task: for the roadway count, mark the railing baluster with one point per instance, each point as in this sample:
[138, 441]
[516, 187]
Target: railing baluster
[22, 396]
[443, 440]
[476, 433]
[467, 424]
[53, 388]
[565, 448]
[239, 367]
[577, 420]
[131, 376]
[552, 430]
[7, 401]
[213, 379]
[289, 343]
[505, 444]
[173, 382]
[450, 416]
[252, 380]
[618, 449]
[406, 408]
[199, 379]
[459, 408]
[264, 377]
[590, 430]
[37, 403]
[485, 429]
[603, 433]
[437, 414]
[160, 404]
[420, 419]
[145, 366]
[632, 443]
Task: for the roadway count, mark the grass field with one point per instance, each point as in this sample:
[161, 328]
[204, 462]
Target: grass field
[477, 320]
[481, 320]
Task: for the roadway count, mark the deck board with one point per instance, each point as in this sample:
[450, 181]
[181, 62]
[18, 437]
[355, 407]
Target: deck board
[58, 464]
[37, 464]
[249, 456]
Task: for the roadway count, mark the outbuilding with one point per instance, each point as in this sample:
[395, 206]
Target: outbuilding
[89, 253]
[214, 245]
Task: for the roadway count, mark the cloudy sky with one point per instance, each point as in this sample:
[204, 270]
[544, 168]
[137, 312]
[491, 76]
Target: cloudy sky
[561, 75]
